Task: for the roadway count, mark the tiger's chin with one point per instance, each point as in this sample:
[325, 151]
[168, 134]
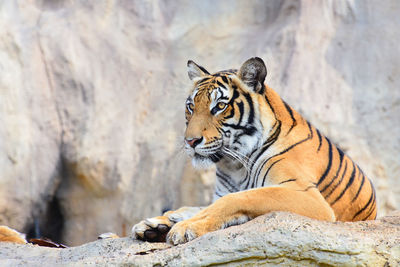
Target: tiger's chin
[205, 162]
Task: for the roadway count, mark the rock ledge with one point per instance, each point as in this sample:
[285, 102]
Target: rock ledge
[275, 238]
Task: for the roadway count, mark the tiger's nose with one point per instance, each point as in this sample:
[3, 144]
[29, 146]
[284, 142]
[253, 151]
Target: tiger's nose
[193, 142]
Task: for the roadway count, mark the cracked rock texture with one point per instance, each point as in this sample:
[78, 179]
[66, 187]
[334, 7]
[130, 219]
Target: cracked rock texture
[92, 98]
[276, 238]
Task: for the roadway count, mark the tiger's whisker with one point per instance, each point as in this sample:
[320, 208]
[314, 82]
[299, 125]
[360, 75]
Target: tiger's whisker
[237, 157]
[245, 159]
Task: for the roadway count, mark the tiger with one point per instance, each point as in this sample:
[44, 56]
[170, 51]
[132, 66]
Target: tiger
[8, 234]
[267, 156]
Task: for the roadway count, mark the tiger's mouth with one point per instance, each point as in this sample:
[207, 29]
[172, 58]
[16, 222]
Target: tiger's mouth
[205, 161]
[214, 157]
[205, 155]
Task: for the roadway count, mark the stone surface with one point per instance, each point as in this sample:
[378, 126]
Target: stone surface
[276, 238]
[91, 98]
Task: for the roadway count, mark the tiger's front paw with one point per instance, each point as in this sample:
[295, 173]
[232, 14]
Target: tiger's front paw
[186, 231]
[152, 229]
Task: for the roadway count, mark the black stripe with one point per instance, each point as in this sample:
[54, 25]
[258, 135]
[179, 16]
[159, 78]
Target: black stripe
[351, 180]
[226, 179]
[221, 84]
[328, 167]
[203, 69]
[234, 96]
[366, 205]
[231, 114]
[320, 140]
[220, 130]
[225, 79]
[262, 89]
[216, 157]
[225, 185]
[372, 208]
[248, 130]
[218, 194]
[362, 183]
[220, 189]
[310, 128]
[241, 111]
[270, 106]
[222, 97]
[265, 175]
[340, 181]
[203, 81]
[373, 189]
[369, 214]
[294, 122]
[220, 91]
[237, 142]
[251, 107]
[287, 181]
[341, 154]
[209, 95]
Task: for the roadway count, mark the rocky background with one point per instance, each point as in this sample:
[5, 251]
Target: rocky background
[92, 99]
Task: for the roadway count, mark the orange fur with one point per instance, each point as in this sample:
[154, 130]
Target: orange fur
[9, 235]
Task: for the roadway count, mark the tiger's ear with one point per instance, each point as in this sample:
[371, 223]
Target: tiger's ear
[253, 73]
[195, 71]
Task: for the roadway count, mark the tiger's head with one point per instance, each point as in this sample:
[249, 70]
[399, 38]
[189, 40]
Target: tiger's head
[222, 113]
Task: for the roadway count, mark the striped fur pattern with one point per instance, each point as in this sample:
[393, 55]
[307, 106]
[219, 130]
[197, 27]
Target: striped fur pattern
[268, 157]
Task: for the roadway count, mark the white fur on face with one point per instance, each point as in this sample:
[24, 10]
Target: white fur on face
[202, 163]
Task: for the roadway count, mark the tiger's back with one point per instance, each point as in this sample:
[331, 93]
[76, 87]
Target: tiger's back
[295, 155]
[340, 181]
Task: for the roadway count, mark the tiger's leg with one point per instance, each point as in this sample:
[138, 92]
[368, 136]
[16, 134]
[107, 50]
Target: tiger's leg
[10, 235]
[155, 229]
[237, 208]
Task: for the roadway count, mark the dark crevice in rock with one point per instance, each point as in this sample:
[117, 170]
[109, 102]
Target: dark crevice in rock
[50, 224]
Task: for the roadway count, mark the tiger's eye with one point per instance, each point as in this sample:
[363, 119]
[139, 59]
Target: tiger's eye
[221, 105]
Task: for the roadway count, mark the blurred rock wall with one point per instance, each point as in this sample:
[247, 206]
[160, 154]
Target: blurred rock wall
[92, 98]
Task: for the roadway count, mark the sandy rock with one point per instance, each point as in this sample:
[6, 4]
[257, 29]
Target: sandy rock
[277, 238]
[30, 132]
[92, 94]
